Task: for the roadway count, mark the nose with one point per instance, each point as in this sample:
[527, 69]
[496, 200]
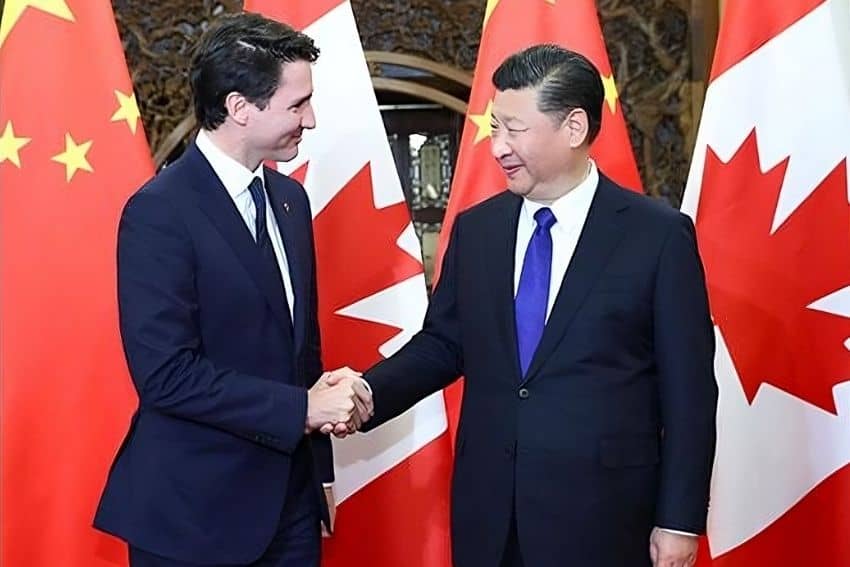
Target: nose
[499, 146]
[308, 119]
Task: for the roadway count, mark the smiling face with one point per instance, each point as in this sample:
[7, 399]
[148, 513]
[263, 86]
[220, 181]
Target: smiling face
[274, 131]
[538, 152]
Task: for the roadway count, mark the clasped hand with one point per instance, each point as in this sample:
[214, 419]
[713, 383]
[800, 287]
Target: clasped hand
[340, 403]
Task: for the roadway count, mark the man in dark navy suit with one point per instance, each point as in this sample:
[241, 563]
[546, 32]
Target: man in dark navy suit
[577, 312]
[224, 461]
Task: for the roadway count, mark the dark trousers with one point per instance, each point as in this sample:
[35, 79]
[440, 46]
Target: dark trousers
[297, 542]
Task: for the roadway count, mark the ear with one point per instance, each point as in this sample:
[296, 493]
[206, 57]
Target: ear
[237, 107]
[577, 127]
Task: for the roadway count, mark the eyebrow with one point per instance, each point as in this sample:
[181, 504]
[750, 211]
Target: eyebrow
[301, 101]
[507, 120]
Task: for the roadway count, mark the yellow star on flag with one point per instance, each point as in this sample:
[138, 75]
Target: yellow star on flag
[611, 94]
[483, 121]
[488, 10]
[74, 157]
[10, 145]
[128, 110]
[13, 9]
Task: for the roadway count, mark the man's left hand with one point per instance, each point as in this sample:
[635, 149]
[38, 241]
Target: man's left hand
[672, 550]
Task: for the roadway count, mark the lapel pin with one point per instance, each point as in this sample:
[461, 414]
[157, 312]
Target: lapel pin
[286, 207]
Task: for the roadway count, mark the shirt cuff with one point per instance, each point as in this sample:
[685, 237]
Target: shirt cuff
[327, 485]
[366, 385]
[677, 532]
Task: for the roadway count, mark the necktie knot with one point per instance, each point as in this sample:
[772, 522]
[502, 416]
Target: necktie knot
[545, 218]
[256, 189]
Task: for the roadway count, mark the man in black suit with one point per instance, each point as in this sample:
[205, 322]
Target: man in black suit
[577, 312]
[223, 463]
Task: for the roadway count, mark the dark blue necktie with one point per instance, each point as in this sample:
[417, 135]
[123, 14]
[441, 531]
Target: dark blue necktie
[264, 242]
[532, 297]
[261, 233]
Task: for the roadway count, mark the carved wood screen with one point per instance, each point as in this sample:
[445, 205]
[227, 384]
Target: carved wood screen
[659, 49]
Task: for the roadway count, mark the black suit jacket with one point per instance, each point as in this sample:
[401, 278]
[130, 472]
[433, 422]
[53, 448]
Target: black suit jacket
[221, 372]
[612, 430]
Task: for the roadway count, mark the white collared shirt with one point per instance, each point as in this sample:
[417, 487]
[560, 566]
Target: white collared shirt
[570, 212]
[236, 177]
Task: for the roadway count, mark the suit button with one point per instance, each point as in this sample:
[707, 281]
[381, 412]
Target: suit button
[523, 393]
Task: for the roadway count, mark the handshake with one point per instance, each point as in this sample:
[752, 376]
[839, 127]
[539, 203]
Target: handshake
[340, 403]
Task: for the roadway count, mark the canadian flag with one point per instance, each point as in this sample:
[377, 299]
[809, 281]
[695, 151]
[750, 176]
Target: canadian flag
[768, 190]
[392, 485]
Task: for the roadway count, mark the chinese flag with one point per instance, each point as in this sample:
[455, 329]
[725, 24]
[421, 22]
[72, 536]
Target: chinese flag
[768, 189]
[511, 26]
[72, 149]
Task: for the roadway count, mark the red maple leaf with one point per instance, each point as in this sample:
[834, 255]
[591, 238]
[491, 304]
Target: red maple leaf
[761, 284]
[357, 257]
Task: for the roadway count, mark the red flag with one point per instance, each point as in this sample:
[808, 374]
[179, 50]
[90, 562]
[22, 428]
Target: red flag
[510, 26]
[72, 150]
[392, 484]
[768, 189]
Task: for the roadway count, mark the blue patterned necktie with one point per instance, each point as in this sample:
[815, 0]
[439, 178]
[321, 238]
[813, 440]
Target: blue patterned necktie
[261, 232]
[532, 298]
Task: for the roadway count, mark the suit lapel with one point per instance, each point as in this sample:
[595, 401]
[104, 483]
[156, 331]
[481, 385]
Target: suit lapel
[500, 242]
[219, 207]
[292, 232]
[600, 236]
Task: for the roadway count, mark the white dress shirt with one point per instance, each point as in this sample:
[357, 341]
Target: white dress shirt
[570, 212]
[236, 177]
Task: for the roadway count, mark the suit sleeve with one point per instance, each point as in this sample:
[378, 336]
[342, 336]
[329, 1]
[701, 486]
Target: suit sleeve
[684, 353]
[432, 359]
[159, 319]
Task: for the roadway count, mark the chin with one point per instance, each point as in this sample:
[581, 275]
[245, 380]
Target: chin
[288, 154]
[518, 189]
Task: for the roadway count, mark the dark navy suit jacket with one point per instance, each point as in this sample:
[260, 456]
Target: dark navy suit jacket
[220, 369]
[612, 430]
